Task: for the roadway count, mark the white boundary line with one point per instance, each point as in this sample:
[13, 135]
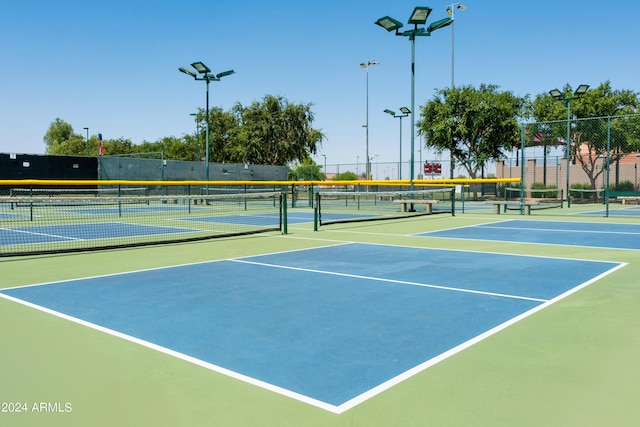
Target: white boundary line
[178, 355]
[399, 282]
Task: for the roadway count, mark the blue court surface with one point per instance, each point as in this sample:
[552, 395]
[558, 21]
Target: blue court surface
[329, 326]
[59, 233]
[272, 219]
[618, 211]
[126, 209]
[591, 234]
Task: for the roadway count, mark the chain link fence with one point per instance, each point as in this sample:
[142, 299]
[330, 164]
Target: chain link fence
[590, 165]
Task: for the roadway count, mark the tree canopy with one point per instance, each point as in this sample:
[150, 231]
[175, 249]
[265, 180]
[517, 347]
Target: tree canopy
[590, 141]
[270, 132]
[476, 125]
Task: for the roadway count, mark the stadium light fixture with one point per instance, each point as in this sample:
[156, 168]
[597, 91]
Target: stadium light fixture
[205, 76]
[389, 24]
[366, 66]
[582, 89]
[441, 23]
[418, 17]
[555, 93]
[200, 67]
[187, 71]
[405, 113]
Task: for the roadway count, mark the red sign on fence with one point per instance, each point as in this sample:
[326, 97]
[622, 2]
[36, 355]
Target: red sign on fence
[433, 168]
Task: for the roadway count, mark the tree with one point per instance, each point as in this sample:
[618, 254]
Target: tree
[274, 132]
[307, 171]
[60, 139]
[224, 143]
[345, 176]
[588, 139]
[476, 126]
[117, 146]
[271, 132]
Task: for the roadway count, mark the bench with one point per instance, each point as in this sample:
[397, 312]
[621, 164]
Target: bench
[627, 200]
[405, 202]
[527, 205]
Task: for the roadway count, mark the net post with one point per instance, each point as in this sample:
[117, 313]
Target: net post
[283, 212]
[453, 201]
[316, 212]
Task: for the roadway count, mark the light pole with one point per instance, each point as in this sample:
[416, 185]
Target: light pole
[197, 137]
[325, 166]
[86, 142]
[418, 17]
[204, 71]
[366, 66]
[451, 11]
[405, 113]
[581, 90]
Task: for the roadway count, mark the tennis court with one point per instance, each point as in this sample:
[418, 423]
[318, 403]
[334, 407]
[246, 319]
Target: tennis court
[309, 324]
[590, 234]
[68, 232]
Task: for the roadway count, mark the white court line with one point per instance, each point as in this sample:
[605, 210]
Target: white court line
[416, 370]
[562, 230]
[182, 356]
[400, 282]
[40, 234]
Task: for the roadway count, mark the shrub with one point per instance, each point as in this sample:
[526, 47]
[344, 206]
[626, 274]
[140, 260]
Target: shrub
[623, 186]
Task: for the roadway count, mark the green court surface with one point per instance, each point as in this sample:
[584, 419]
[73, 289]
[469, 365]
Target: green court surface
[573, 363]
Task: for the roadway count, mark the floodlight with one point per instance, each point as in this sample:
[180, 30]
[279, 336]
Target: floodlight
[388, 23]
[462, 7]
[393, 113]
[225, 73]
[420, 15]
[200, 67]
[556, 94]
[405, 110]
[187, 71]
[582, 89]
[439, 24]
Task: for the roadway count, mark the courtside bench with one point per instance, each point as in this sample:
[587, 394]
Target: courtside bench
[497, 204]
[627, 200]
[405, 202]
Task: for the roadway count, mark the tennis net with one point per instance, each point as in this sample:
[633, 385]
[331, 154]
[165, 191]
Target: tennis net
[356, 206]
[535, 198]
[71, 222]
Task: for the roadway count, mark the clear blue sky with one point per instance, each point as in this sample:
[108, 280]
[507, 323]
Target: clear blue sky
[112, 65]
